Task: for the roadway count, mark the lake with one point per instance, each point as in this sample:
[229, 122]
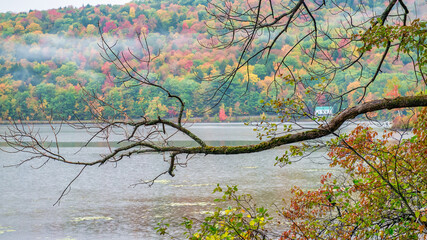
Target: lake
[103, 204]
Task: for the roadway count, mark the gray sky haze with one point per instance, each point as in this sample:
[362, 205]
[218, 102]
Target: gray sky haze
[26, 5]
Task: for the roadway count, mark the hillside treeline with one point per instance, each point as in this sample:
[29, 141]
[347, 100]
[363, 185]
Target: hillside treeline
[50, 61]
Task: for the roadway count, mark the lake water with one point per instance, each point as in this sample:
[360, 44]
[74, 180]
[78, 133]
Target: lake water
[102, 203]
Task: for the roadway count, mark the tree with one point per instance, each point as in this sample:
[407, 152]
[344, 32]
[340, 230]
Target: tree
[33, 27]
[361, 36]
[222, 115]
[260, 70]
[382, 194]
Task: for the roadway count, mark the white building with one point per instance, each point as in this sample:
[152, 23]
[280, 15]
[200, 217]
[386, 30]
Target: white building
[323, 111]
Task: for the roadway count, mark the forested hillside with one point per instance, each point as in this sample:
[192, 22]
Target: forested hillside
[49, 60]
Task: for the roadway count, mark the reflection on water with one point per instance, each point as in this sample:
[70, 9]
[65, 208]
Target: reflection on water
[103, 205]
[6, 230]
[182, 143]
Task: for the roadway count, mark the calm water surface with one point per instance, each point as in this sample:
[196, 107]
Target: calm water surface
[102, 203]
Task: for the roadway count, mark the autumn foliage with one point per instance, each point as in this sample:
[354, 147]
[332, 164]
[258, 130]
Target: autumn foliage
[222, 115]
[38, 45]
[381, 194]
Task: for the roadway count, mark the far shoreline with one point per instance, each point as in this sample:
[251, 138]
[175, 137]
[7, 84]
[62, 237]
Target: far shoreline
[233, 119]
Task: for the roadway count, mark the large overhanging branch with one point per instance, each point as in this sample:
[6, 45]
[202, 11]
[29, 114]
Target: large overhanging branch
[321, 131]
[144, 147]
